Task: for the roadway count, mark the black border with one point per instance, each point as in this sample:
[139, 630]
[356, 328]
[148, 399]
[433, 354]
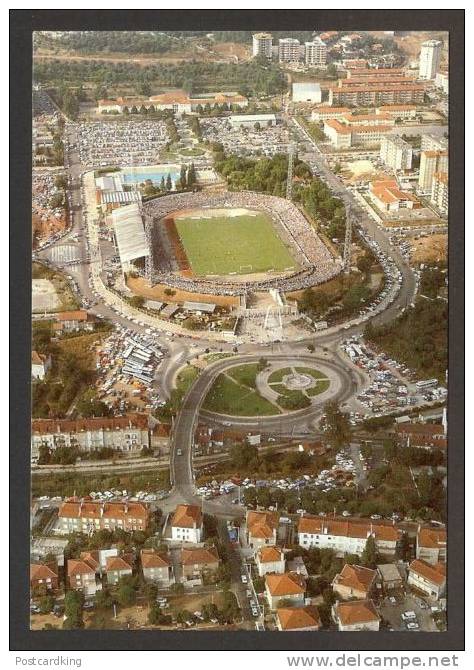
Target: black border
[22, 23]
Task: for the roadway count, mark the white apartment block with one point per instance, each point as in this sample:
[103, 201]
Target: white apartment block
[440, 192]
[433, 143]
[315, 53]
[345, 536]
[262, 44]
[430, 55]
[289, 50]
[396, 153]
[430, 163]
[442, 82]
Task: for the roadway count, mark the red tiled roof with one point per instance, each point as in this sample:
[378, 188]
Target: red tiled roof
[111, 510]
[356, 577]
[432, 538]
[49, 426]
[154, 559]
[287, 584]
[42, 571]
[356, 611]
[262, 524]
[435, 574]
[78, 567]
[199, 556]
[298, 617]
[187, 516]
[316, 525]
[73, 315]
[269, 554]
[117, 563]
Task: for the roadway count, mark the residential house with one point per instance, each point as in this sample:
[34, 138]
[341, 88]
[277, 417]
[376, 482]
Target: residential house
[44, 577]
[354, 581]
[40, 364]
[298, 618]
[81, 576]
[288, 586]
[431, 545]
[187, 524]
[157, 567]
[78, 319]
[356, 615]
[262, 528]
[346, 536]
[389, 577]
[270, 559]
[197, 562]
[117, 567]
[430, 579]
[81, 516]
[129, 433]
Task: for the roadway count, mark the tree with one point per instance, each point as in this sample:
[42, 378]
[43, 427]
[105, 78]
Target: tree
[137, 301]
[73, 604]
[337, 425]
[103, 599]
[126, 593]
[169, 183]
[150, 592]
[46, 604]
[369, 555]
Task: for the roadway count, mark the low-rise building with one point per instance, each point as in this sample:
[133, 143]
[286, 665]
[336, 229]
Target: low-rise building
[430, 579]
[354, 581]
[44, 577]
[77, 319]
[356, 615]
[177, 101]
[402, 112]
[270, 559]
[422, 435]
[40, 364]
[187, 524]
[249, 120]
[82, 576]
[288, 586]
[117, 567]
[431, 545]
[262, 528]
[306, 91]
[197, 562]
[343, 536]
[388, 197]
[83, 516]
[344, 136]
[389, 577]
[298, 618]
[325, 113]
[129, 433]
[157, 567]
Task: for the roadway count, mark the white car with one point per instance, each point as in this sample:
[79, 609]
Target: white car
[406, 616]
[244, 579]
[179, 452]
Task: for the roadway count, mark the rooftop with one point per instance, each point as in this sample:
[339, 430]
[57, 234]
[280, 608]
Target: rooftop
[292, 618]
[433, 573]
[187, 516]
[356, 611]
[356, 577]
[287, 584]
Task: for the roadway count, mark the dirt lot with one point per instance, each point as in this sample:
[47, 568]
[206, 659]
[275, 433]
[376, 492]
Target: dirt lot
[430, 249]
[140, 287]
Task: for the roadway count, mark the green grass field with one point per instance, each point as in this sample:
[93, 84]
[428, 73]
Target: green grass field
[234, 393]
[241, 244]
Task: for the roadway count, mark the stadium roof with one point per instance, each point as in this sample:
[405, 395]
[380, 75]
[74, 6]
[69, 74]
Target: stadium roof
[199, 307]
[129, 233]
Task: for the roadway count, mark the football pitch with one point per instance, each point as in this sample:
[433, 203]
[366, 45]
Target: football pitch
[241, 244]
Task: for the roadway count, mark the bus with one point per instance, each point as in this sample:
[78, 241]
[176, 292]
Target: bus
[428, 383]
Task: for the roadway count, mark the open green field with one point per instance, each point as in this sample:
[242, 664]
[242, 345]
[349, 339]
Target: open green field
[229, 396]
[241, 244]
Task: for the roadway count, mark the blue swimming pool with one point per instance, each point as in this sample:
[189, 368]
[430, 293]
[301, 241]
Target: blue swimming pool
[155, 174]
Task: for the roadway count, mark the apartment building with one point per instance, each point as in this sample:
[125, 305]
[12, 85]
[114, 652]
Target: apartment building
[289, 50]
[346, 536]
[431, 162]
[320, 114]
[431, 545]
[344, 136]
[129, 433]
[396, 153]
[262, 44]
[430, 579]
[440, 192]
[187, 524]
[381, 74]
[315, 53]
[442, 82]
[80, 516]
[434, 143]
[371, 95]
[430, 56]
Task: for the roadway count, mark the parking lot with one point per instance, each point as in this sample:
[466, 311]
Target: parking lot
[392, 613]
[267, 140]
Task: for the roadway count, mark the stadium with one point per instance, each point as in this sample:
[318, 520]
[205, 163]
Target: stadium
[233, 243]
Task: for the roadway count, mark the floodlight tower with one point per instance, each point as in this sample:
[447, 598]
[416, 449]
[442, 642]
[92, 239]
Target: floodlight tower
[347, 241]
[289, 179]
